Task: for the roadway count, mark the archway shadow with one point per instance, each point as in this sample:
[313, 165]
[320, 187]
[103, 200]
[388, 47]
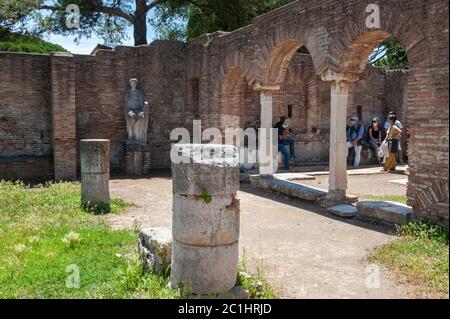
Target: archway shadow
[313, 208]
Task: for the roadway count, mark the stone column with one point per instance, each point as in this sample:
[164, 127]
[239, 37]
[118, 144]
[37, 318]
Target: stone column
[95, 174]
[338, 122]
[205, 220]
[267, 150]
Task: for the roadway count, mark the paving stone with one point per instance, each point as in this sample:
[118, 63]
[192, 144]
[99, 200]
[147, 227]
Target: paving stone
[347, 211]
[386, 212]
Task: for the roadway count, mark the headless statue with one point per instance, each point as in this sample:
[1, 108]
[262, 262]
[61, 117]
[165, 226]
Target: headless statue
[136, 112]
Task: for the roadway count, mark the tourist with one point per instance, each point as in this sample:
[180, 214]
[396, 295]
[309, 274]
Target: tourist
[355, 135]
[394, 134]
[284, 140]
[375, 137]
[400, 126]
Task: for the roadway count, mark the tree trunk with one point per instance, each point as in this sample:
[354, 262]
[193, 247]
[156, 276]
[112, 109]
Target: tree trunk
[140, 23]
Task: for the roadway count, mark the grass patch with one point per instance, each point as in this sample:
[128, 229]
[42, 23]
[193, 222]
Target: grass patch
[48, 242]
[420, 255]
[390, 198]
[52, 248]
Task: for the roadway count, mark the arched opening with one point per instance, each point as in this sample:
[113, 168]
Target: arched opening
[291, 67]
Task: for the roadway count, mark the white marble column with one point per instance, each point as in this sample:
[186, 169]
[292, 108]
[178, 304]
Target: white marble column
[338, 121]
[267, 145]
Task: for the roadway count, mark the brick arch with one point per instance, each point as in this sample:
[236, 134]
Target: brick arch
[281, 44]
[232, 98]
[351, 52]
[235, 60]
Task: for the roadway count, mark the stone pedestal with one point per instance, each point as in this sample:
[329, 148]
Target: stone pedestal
[95, 174]
[137, 159]
[205, 220]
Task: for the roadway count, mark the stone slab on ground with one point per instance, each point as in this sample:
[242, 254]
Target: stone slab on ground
[347, 211]
[403, 181]
[155, 248]
[294, 176]
[385, 212]
[286, 187]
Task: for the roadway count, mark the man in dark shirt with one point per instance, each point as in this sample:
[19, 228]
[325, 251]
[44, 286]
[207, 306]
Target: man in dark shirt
[283, 141]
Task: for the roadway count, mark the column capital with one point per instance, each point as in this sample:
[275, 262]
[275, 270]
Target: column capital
[266, 89]
[330, 75]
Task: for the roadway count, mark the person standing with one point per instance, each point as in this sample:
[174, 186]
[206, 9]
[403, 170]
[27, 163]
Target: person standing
[355, 134]
[375, 137]
[284, 140]
[400, 126]
[394, 134]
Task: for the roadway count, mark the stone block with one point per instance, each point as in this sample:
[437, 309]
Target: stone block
[155, 249]
[204, 270]
[197, 171]
[347, 211]
[386, 212]
[201, 223]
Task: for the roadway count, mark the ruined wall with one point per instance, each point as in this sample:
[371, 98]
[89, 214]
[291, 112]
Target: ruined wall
[25, 116]
[102, 80]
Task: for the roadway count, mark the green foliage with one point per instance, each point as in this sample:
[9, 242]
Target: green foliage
[256, 284]
[390, 55]
[206, 196]
[420, 255]
[424, 230]
[14, 42]
[191, 19]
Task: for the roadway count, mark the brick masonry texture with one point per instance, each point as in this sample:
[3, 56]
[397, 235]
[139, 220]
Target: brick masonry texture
[49, 102]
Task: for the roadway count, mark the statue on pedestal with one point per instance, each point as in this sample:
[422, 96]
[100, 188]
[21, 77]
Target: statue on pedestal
[136, 112]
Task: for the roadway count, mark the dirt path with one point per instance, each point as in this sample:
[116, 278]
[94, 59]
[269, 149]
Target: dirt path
[303, 251]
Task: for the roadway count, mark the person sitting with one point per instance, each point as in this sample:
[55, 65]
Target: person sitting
[355, 134]
[375, 137]
[393, 136]
[284, 140]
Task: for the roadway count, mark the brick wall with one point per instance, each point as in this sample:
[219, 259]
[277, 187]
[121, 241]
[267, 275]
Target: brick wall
[25, 116]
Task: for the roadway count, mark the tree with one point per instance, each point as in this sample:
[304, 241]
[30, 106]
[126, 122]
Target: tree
[390, 55]
[106, 18]
[188, 19]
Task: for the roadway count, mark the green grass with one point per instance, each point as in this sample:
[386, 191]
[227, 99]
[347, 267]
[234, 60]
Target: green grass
[44, 232]
[390, 198]
[47, 240]
[420, 255]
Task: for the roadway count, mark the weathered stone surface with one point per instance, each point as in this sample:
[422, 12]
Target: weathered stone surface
[347, 211]
[204, 270]
[95, 173]
[94, 154]
[198, 172]
[287, 187]
[95, 189]
[198, 223]
[155, 249]
[387, 212]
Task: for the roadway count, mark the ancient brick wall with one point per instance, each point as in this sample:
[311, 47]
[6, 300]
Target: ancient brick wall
[185, 81]
[25, 116]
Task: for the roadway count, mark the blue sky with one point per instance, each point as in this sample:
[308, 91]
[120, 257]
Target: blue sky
[85, 45]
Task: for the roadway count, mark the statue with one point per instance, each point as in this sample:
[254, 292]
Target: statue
[136, 114]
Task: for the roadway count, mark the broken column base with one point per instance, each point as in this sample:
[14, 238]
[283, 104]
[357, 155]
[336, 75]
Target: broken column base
[155, 249]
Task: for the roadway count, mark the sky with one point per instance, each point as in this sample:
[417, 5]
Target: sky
[85, 45]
